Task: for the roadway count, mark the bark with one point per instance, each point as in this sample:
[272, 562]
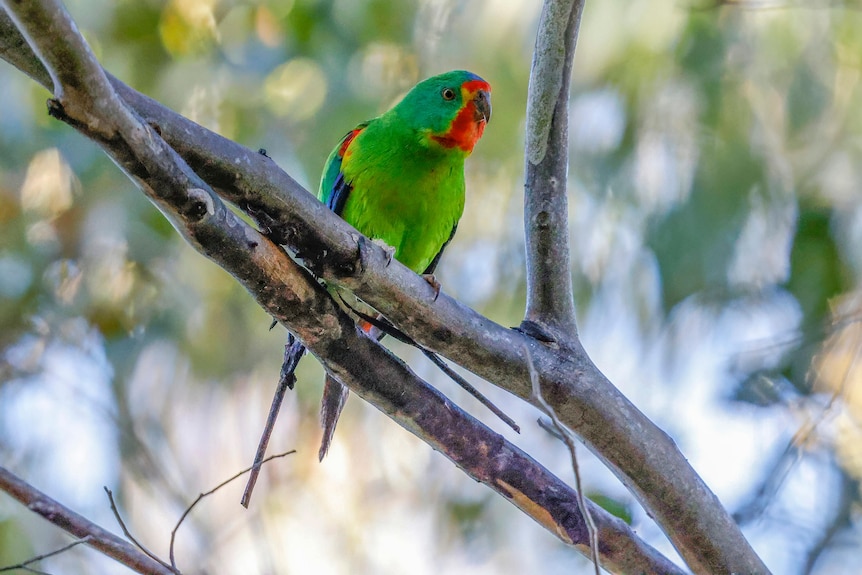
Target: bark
[178, 164]
[550, 305]
[78, 526]
[87, 101]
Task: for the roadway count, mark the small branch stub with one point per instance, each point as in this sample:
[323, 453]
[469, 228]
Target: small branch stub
[202, 204]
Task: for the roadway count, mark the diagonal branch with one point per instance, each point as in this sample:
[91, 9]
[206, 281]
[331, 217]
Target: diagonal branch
[78, 526]
[293, 297]
[24, 564]
[644, 458]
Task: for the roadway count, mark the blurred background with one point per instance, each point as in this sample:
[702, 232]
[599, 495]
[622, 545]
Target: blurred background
[716, 225]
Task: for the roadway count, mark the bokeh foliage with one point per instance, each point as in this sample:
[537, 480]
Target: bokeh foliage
[715, 196]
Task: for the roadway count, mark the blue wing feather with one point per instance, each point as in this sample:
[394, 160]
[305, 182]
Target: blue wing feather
[334, 189]
[340, 191]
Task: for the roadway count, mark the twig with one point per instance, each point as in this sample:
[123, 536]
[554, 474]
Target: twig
[35, 571]
[389, 329]
[550, 428]
[37, 558]
[466, 386]
[566, 435]
[293, 352]
[78, 526]
[638, 452]
[210, 492]
[131, 537]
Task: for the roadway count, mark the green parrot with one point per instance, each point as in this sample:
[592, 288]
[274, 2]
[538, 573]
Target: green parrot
[399, 180]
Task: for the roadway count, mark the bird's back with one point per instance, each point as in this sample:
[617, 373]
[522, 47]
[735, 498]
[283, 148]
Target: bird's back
[401, 192]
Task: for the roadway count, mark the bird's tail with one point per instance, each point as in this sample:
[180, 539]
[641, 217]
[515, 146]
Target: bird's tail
[335, 396]
[333, 400]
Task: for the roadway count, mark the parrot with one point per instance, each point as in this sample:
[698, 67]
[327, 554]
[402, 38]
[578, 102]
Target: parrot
[399, 180]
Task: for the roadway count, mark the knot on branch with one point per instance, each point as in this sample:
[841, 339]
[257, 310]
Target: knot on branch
[543, 219]
[55, 109]
[337, 263]
[201, 204]
[155, 127]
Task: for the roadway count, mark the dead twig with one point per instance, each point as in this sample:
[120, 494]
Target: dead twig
[293, 352]
[131, 537]
[210, 492]
[25, 564]
[563, 433]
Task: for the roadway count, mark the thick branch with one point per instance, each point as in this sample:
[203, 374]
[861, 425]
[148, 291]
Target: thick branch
[640, 454]
[78, 526]
[550, 305]
[288, 293]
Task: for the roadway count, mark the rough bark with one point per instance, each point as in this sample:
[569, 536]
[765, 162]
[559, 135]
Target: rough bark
[78, 526]
[550, 304]
[640, 454]
[87, 101]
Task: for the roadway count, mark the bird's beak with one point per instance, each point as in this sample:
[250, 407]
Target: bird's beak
[482, 100]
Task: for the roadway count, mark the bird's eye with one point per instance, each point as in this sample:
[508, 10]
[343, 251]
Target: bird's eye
[448, 94]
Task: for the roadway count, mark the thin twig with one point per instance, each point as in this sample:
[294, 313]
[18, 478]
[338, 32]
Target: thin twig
[131, 537]
[549, 427]
[568, 439]
[389, 329]
[37, 558]
[466, 386]
[293, 352]
[635, 449]
[34, 571]
[210, 492]
[78, 526]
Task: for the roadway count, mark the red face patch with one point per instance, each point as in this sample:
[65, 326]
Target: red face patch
[469, 124]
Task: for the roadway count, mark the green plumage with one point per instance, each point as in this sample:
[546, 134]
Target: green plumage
[399, 178]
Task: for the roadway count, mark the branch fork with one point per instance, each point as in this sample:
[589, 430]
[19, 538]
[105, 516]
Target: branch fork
[187, 170]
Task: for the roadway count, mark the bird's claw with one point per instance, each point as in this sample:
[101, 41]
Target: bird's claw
[390, 251]
[435, 285]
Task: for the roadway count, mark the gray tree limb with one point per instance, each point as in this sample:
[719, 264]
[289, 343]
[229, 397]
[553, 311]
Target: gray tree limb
[78, 526]
[87, 101]
[714, 542]
[641, 455]
[550, 304]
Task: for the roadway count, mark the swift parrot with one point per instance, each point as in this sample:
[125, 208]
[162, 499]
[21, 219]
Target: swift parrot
[399, 180]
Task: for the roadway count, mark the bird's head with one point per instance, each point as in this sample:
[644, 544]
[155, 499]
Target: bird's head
[450, 110]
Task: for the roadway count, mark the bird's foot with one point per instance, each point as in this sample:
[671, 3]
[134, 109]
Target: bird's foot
[390, 251]
[435, 285]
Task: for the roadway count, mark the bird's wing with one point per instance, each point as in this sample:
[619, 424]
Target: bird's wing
[334, 189]
[433, 265]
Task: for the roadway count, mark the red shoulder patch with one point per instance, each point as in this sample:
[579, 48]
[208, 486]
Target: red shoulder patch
[347, 140]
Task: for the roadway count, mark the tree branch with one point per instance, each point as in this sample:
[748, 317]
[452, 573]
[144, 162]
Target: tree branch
[550, 305]
[293, 297]
[24, 564]
[641, 455]
[78, 526]
[567, 437]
